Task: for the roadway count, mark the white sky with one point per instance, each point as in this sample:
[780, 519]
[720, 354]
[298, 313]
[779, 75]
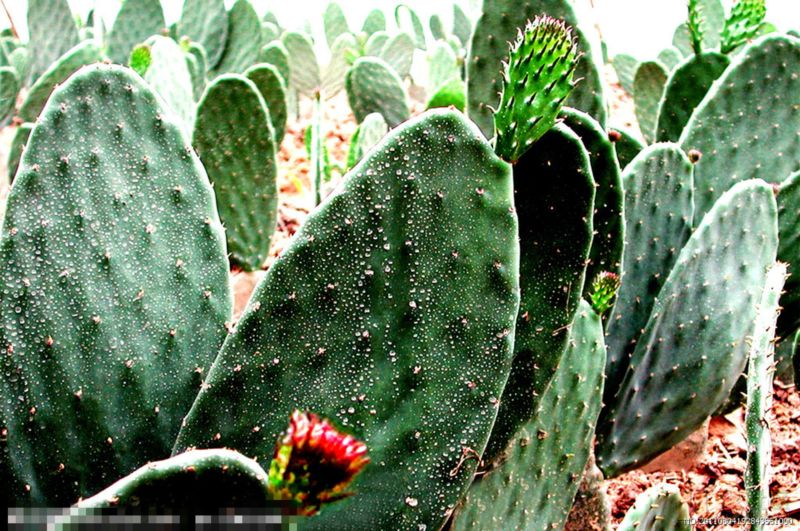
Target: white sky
[639, 27]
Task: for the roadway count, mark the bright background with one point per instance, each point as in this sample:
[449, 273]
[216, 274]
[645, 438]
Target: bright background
[639, 27]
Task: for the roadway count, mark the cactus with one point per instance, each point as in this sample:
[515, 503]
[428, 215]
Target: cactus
[658, 223]
[83, 54]
[648, 88]
[738, 140]
[398, 52]
[136, 21]
[334, 22]
[789, 252]
[759, 397]
[373, 86]
[708, 299]
[375, 22]
[243, 42]
[410, 24]
[500, 22]
[670, 58]
[169, 76]
[132, 285]
[52, 33]
[277, 55]
[305, 73]
[436, 26]
[695, 26]
[368, 133]
[451, 94]
[269, 32]
[607, 220]
[234, 139]
[659, 508]
[271, 86]
[205, 22]
[9, 89]
[534, 486]
[742, 24]
[686, 87]
[626, 146]
[375, 43]
[625, 66]
[342, 51]
[197, 62]
[462, 26]
[442, 66]
[554, 199]
[357, 321]
[17, 147]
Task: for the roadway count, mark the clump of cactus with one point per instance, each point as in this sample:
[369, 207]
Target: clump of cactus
[486, 295]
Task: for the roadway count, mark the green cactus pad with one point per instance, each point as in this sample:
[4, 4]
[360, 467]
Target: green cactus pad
[344, 48]
[233, 137]
[357, 321]
[198, 480]
[498, 25]
[608, 220]
[305, 71]
[626, 145]
[373, 86]
[709, 299]
[197, 62]
[375, 43]
[625, 66]
[17, 147]
[742, 24]
[648, 88]
[554, 200]
[789, 253]
[244, 39]
[136, 21]
[408, 21]
[462, 26]
[169, 76]
[760, 369]
[269, 32]
[670, 58]
[83, 54]
[52, 33]
[685, 89]
[205, 22]
[277, 55]
[9, 89]
[658, 508]
[375, 21]
[334, 22]
[114, 264]
[739, 140]
[271, 86]
[398, 52]
[451, 94]
[536, 81]
[368, 133]
[658, 223]
[534, 486]
[442, 66]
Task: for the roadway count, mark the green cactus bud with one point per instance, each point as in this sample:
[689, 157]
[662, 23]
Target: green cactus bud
[140, 59]
[604, 291]
[742, 24]
[537, 80]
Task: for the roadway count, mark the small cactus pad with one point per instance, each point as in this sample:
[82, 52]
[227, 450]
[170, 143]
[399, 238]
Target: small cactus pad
[659, 508]
[52, 33]
[272, 88]
[685, 89]
[169, 76]
[554, 198]
[462, 26]
[368, 133]
[136, 21]
[233, 137]
[648, 88]
[9, 89]
[625, 66]
[243, 41]
[276, 54]
[197, 480]
[534, 486]
[536, 81]
[373, 86]
[305, 72]
[746, 126]
[658, 222]
[710, 299]
[760, 369]
[205, 22]
[116, 290]
[397, 329]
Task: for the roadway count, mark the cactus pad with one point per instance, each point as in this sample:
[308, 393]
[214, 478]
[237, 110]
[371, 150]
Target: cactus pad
[137, 20]
[205, 22]
[373, 86]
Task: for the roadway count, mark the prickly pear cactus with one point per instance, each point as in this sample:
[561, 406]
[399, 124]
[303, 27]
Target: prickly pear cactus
[398, 52]
[272, 88]
[648, 88]
[277, 55]
[625, 66]
[305, 72]
[16, 149]
[234, 138]
[9, 89]
[789, 253]
[342, 51]
[626, 145]
[760, 369]
[375, 21]
[375, 43]
[83, 54]
[742, 24]
[659, 210]
[357, 320]
[462, 25]
[368, 133]
[334, 22]
[554, 198]
[534, 486]
[136, 21]
[169, 76]
[659, 508]
[739, 140]
[709, 299]
[243, 41]
[205, 22]
[408, 21]
[116, 293]
[52, 33]
[373, 86]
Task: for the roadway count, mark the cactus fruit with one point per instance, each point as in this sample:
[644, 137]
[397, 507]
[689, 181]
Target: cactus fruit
[17, 147]
[234, 138]
[533, 488]
[375, 21]
[659, 508]
[272, 88]
[554, 200]
[205, 22]
[408, 21]
[398, 52]
[9, 89]
[334, 23]
[709, 299]
[759, 396]
[132, 285]
[373, 86]
[357, 321]
[277, 55]
[686, 87]
[305, 72]
[136, 21]
[658, 222]
[742, 24]
[369, 132]
[52, 33]
[626, 145]
[83, 54]
[536, 81]
[648, 88]
[741, 141]
[243, 41]
[169, 76]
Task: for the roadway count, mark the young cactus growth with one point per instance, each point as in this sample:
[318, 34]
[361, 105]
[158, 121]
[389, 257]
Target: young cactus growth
[695, 25]
[759, 396]
[604, 291]
[742, 24]
[660, 507]
[536, 81]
